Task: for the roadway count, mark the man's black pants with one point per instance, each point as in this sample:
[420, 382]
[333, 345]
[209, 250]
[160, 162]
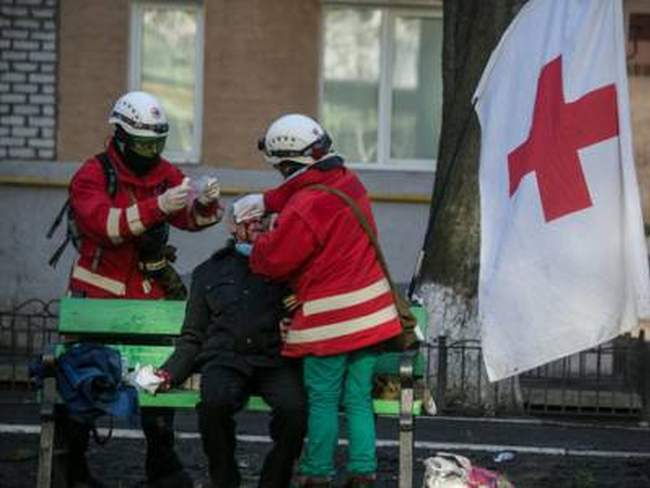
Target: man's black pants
[224, 392]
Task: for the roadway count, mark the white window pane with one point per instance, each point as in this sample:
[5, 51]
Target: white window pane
[351, 81]
[417, 88]
[168, 69]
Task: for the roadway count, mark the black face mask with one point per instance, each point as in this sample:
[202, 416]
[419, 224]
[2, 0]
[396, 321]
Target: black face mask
[139, 165]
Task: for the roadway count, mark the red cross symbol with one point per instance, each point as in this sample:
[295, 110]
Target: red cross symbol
[558, 130]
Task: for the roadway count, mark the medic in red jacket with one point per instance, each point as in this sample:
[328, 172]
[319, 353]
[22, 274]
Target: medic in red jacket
[319, 246]
[149, 193]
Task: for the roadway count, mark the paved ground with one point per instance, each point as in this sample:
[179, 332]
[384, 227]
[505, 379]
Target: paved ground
[547, 454]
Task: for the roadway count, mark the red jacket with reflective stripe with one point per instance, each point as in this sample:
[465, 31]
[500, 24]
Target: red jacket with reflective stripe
[107, 266]
[319, 246]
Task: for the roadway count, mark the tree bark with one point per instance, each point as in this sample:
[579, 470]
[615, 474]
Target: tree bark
[447, 281]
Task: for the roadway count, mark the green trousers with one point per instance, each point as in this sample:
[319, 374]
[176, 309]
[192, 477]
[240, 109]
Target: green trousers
[329, 381]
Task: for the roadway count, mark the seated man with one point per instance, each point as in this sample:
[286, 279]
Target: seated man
[232, 335]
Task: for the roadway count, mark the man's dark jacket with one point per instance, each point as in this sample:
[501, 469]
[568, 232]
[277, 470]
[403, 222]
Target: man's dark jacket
[232, 318]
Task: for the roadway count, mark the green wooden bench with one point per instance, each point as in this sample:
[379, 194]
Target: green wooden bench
[143, 332]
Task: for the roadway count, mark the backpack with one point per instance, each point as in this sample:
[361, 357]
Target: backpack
[72, 232]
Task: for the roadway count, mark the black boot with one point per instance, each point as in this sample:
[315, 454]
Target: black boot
[287, 429]
[361, 481]
[217, 429]
[302, 481]
[162, 465]
[76, 436]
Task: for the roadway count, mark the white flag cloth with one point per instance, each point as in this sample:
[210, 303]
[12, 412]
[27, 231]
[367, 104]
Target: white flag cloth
[564, 263]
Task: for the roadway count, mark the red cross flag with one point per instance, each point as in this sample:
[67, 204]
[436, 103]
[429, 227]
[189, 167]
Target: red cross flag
[564, 263]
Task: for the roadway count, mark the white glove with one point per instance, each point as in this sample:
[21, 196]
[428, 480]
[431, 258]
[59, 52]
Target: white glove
[175, 198]
[248, 207]
[210, 192]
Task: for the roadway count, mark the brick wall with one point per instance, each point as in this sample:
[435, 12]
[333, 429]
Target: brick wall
[28, 79]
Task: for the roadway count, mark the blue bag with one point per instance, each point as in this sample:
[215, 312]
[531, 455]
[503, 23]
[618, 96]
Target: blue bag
[89, 380]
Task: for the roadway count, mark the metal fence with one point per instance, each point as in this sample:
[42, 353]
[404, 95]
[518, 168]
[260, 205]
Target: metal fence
[24, 333]
[607, 381]
[611, 380]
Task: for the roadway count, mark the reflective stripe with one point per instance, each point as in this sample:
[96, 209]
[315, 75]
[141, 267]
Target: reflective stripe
[146, 286]
[345, 300]
[113, 225]
[133, 219]
[341, 329]
[108, 284]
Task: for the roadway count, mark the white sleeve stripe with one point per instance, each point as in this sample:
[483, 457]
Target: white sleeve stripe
[113, 225]
[133, 220]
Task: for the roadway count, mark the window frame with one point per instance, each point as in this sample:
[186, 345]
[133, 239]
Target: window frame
[135, 67]
[390, 11]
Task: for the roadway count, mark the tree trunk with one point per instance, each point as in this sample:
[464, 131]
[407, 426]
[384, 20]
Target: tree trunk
[448, 279]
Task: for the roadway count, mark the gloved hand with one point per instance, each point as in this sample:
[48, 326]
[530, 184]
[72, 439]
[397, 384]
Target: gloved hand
[210, 192]
[175, 198]
[248, 207]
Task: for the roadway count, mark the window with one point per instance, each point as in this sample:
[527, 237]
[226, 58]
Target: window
[382, 84]
[167, 61]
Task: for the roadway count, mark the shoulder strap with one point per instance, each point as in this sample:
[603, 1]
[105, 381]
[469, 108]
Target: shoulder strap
[57, 219]
[54, 259]
[66, 209]
[362, 221]
[109, 173]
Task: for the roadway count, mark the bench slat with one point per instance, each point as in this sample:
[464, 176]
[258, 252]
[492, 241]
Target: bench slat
[85, 316]
[189, 399]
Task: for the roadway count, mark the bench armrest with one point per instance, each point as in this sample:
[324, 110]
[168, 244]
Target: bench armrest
[406, 421]
[407, 358]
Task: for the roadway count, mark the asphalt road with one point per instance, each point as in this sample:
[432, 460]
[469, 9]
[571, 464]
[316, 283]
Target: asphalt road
[546, 454]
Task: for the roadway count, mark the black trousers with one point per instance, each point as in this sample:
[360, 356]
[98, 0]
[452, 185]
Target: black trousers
[224, 392]
[161, 460]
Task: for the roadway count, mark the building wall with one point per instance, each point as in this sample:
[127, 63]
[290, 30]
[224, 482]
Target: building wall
[259, 60]
[27, 79]
[92, 72]
[28, 210]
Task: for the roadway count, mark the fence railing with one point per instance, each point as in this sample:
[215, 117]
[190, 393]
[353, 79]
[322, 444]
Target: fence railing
[612, 380]
[24, 333]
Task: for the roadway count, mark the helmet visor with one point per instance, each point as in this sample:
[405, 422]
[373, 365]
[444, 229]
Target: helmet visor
[148, 147]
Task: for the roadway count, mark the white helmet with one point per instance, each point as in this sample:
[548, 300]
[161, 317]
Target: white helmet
[296, 138]
[140, 114]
